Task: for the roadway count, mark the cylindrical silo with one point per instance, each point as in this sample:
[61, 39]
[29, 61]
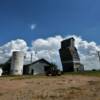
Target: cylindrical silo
[17, 63]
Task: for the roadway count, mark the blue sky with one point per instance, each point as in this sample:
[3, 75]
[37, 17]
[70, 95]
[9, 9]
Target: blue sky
[33, 19]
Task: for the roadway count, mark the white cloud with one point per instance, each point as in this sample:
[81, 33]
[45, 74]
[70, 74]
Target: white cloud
[49, 49]
[88, 53]
[51, 43]
[7, 49]
[32, 26]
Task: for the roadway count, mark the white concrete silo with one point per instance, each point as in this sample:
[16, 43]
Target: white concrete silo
[17, 63]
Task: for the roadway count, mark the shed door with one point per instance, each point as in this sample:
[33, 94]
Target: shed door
[32, 72]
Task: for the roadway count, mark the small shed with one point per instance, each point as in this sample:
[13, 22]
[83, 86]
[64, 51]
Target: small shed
[37, 67]
[6, 67]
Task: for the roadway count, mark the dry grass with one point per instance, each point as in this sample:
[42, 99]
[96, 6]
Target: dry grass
[65, 87]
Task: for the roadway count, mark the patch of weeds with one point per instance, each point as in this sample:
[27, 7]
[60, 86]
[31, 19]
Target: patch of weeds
[93, 82]
[52, 96]
[74, 88]
[20, 77]
[1, 94]
[61, 90]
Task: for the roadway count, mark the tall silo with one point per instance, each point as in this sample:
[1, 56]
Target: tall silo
[69, 55]
[17, 63]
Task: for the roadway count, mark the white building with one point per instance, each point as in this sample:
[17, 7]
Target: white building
[1, 71]
[37, 67]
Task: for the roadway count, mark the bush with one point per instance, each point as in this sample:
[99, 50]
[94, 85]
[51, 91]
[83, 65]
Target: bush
[52, 70]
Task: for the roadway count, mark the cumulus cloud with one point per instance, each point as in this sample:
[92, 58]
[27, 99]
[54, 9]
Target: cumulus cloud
[49, 50]
[14, 45]
[51, 43]
[88, 53]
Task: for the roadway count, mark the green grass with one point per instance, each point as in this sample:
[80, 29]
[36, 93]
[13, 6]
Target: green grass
[86, 73]
[21, 77]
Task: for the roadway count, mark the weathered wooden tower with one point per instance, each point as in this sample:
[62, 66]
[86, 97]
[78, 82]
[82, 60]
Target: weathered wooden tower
[69, 56]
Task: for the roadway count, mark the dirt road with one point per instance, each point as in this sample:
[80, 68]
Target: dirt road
[68, 87]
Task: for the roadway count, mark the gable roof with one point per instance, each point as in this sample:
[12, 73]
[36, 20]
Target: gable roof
[40, 60]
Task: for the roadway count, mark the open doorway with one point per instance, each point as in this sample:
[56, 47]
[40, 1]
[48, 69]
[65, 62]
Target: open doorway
[32, 72]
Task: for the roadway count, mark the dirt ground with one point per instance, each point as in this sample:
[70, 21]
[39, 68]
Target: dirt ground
[65, 87]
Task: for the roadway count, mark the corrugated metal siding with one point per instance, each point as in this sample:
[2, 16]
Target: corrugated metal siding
[38, 68]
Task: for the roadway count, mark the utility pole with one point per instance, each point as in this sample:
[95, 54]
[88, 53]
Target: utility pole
[31, 54]
[31, 57]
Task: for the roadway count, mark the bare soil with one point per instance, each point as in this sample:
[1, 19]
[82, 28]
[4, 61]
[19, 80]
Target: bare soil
[65, 87]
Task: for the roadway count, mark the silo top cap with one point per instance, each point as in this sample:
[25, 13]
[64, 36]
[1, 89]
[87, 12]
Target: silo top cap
[67, 42]
[18, 52]
[69, 39]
